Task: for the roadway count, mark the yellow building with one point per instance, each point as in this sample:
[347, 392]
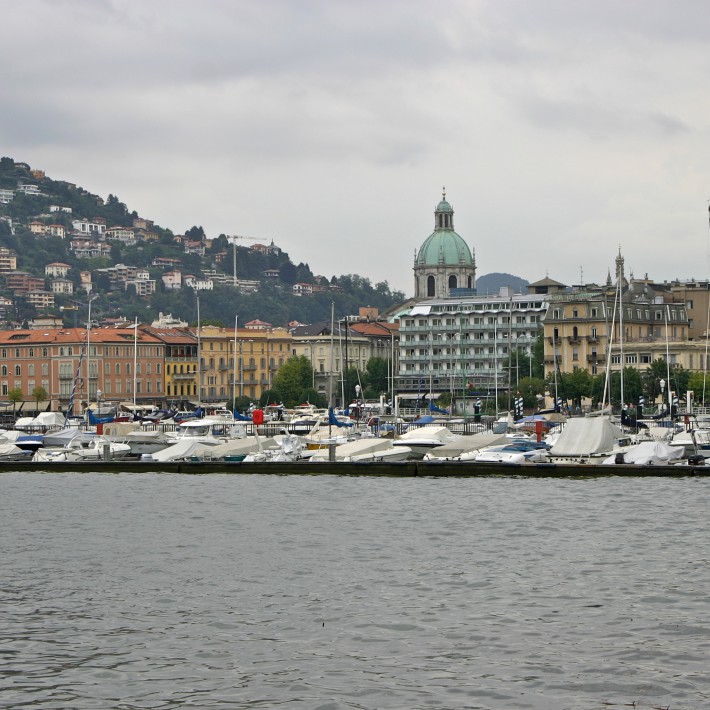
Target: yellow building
[180, 347]
[261, 351]
[581, 328]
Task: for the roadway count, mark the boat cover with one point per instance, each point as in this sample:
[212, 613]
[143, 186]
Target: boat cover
[583, 436]
[650, 452]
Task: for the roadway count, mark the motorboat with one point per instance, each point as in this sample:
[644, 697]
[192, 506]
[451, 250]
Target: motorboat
[99, 448]
[422, 439]
[10, 452]
[465, 447]
[589, 437]
[144, 441]
[287, 447]
[656, 453]
[366, 449]
[207, 430]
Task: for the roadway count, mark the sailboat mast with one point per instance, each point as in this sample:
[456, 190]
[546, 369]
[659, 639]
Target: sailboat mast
[135, 360]
[234, 377]
[621, 338]
[199, 357]
[330, 378]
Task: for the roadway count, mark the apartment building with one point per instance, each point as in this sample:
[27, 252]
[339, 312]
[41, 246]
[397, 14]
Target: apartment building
[259, 354]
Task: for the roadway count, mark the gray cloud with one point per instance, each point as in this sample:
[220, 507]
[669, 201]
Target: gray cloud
[561, 130]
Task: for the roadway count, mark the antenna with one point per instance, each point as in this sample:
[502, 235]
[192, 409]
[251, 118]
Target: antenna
[233, 238]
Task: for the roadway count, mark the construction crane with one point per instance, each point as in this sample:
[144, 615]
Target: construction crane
[233, 239]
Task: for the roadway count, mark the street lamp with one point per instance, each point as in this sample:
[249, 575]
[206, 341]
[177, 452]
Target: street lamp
[662, 383]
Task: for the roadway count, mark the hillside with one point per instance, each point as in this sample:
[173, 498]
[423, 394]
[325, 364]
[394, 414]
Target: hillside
[138, 268]
[492, 283]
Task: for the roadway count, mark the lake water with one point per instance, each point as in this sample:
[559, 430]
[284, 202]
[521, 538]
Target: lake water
[228, 591]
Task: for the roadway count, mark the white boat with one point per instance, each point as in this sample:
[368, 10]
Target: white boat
[423, 439]
[655, 453]
[589, 437]
[76, 450]
[286, 447]
[144, 441]
[10, 452]
[207, 430]
[366, 449]
[466, 447]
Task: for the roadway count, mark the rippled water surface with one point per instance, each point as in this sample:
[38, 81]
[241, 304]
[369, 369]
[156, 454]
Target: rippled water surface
[171, 591]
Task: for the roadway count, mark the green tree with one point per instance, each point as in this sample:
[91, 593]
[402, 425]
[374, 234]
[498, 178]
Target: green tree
[529, 388]
[538, 357]
[292, 379]
[39, 394]
[376, 377]
[699, 384]
[15, 395]
[657, 371]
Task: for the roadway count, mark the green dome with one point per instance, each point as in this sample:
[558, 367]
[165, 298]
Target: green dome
[444, 206]
[444, 246]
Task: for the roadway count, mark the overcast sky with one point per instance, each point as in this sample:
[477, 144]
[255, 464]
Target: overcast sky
[562, 130]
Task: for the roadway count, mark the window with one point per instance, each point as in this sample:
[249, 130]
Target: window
[3, 370]
[18, 371]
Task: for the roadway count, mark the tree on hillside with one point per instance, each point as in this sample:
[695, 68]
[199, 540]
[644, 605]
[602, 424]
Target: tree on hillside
[195, 234]
[288, 273]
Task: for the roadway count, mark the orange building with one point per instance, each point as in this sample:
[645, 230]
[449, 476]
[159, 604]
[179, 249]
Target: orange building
[107, 364]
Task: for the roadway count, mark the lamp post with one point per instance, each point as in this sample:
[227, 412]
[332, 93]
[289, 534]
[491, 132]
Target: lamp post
[313, 369]
[662, 383]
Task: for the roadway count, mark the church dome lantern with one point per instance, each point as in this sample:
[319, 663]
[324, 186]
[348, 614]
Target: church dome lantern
[444, 262]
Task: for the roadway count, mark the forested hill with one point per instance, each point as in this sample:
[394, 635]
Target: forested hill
[492, 283]
[39, 223]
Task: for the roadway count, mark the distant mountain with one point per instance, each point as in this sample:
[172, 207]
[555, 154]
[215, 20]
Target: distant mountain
[492, 283]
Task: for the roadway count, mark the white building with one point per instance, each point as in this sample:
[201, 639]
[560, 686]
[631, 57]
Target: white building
[83, 226]
[57, 269]
[172, 280]
[457, 344]
[62, 286]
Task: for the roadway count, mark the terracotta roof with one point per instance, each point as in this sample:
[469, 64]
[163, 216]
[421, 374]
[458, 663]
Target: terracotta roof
[48, 336]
